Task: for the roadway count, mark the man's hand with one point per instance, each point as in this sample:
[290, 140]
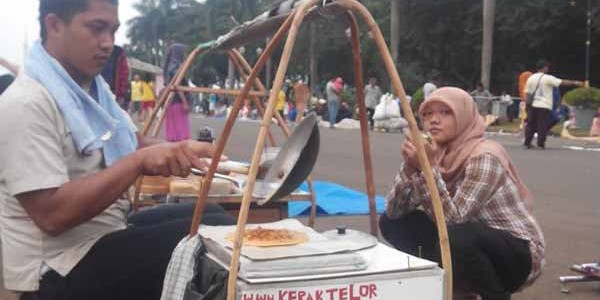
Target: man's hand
[174, 158]
[409, 153]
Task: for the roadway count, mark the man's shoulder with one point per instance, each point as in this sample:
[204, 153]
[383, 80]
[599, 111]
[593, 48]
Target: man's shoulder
[26, 94]
[25, 90]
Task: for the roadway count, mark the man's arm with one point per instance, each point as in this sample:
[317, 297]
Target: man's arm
[566, 82]
[59, 209]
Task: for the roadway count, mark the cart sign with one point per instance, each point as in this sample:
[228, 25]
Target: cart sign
[405, 288]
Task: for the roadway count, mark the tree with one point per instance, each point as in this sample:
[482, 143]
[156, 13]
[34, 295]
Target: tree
[489, 8]
[395, 28]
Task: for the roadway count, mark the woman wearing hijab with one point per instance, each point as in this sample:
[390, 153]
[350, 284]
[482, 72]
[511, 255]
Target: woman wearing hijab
[177, 122]
[496, 244]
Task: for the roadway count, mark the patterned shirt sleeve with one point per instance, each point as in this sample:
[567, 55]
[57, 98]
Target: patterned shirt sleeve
[401, 198]
[484, 175]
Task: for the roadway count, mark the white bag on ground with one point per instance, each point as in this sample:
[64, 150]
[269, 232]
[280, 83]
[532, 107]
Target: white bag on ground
[387, 108]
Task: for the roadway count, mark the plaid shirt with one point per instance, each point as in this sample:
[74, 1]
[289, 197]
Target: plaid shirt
[485, 194]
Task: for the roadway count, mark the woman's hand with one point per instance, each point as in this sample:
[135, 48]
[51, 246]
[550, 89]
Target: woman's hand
[409, 153]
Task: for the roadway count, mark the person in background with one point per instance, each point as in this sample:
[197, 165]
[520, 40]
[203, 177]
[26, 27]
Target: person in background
[177, 122]
[345, 112]
[541, 85]
[302, 96]
[523, 77]
[483, 99]
[428, 88]
[372, 95]
[281, 103]
[333, 91]
[148, 97]
[137, 92]
[555, 115]
[496, 244]
[116, 74]
[245, 110]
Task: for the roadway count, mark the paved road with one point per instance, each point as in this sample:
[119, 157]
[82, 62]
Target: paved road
[565, 183]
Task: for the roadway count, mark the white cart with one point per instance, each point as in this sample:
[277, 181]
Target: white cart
[391, 275]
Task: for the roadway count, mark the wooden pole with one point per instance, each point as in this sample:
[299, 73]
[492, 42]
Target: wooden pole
[235, 57]
[298, 17]
[203, 194]
[216, 91]
[241, 62]
[364, 126]
[438, 209]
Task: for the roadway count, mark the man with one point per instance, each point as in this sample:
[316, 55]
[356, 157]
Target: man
[538, 115]
[482, 98]
[372, 95]
[68, 153]
[333, 90]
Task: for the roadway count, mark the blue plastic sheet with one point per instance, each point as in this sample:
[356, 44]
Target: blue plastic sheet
[335, 199]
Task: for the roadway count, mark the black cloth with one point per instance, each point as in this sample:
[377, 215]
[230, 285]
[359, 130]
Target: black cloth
[5, 81]
[538, 120]
[131, 263]
[487, 261]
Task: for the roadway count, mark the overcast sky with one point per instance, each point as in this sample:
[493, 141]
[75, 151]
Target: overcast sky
[19, 26]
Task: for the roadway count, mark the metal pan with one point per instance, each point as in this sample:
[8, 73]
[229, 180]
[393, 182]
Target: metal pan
[293, 163]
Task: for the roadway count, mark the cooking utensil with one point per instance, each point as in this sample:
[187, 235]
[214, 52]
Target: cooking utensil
[293, 163]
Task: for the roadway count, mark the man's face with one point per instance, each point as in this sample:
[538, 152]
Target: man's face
[85, 44]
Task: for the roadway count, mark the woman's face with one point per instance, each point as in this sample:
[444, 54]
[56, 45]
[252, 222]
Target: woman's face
[439, 121]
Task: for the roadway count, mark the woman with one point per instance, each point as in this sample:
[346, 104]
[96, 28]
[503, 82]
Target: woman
[177, 121]
[497, 246]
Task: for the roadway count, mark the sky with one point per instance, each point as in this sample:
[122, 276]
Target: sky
[19, 27]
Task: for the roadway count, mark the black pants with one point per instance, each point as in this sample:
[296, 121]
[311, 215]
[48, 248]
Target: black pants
[370, 113]
[489, 262]
[131, 263]
[537, 121]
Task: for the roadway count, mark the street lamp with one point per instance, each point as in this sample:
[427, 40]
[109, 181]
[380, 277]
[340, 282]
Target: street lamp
[588, 41]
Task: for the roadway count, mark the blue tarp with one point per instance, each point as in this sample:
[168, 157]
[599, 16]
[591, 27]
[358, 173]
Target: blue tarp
[335, 199]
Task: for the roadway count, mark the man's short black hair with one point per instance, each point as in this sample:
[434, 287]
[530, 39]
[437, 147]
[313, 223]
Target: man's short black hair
[64, 9]
[542, 63]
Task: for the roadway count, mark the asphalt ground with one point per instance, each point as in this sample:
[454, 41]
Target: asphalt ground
[565, 183]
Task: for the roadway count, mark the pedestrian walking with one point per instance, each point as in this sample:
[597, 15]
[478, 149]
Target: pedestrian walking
[541, 85]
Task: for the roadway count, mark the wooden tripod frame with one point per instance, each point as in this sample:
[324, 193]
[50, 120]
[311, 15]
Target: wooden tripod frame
[291, 27]
[243, 68]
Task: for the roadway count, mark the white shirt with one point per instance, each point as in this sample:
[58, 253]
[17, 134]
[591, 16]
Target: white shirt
[543, 94]
[37, 152]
